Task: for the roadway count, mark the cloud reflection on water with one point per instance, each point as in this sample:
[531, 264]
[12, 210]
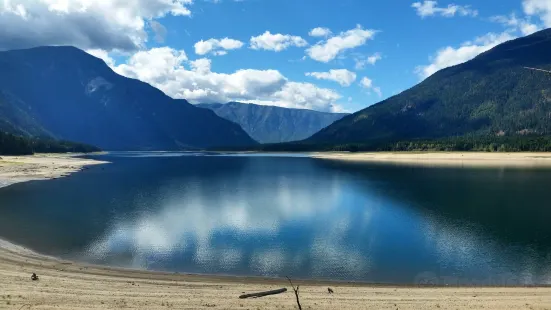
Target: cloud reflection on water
[194, 221]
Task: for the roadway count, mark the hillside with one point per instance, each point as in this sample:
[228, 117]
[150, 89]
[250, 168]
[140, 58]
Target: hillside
[269, 124]
[16, 117]
[67, 94]
[491, 95]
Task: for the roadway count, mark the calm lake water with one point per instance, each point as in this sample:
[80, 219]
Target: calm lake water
[296, 216]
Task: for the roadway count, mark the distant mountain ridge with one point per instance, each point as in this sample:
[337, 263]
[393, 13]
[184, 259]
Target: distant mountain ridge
[491, 95]
[270, 124]
[65, 93]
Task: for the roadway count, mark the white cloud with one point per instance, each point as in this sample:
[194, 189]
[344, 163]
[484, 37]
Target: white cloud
[451, 56]
[374, 58]
[367, 83]
[104, 55]
[528, 28]
[304, 96]
[153, 66]
[320, 32]
[516, 24]
[361, 61]
[107, 24]
[430, 8]
[538, 8]
[217, 47]
[276, 42]
[341, 76]
[329, 49]
[165, 68]
[201, 66]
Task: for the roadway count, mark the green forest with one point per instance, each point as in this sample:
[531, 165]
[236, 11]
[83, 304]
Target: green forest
[454, 144]
[11, 144]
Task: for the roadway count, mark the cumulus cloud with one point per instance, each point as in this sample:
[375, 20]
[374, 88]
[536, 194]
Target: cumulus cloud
[538, 8]
[451, 56]
[106, 25]
[304, 96]
[329, 49]
[276, 42]
[217, 47]
[320, 32]
[374, 58]
[104, 55]
[341, 76]
[201, 66]
[361, 61]
[367, 83]
[171, 71]
[523, 25]
[430, 8]
[153, 66]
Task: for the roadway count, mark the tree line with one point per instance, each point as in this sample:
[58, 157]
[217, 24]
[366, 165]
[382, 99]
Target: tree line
[471, 143]
[11, 144]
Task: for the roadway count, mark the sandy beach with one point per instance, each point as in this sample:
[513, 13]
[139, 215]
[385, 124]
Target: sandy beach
[16, 169]
[461, 159]
[71, 285]
[68, 285]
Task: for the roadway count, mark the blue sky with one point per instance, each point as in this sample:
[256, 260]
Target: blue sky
[266, 52]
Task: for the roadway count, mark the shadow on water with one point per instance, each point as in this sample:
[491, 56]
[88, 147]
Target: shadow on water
[509, 202]
[505, 209]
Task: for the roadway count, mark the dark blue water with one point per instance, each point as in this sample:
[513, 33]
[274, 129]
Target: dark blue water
[296, 216]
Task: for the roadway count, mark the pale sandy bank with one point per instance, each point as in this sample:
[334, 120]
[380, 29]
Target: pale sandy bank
[16, 169]
[66, 285]
[467, 159]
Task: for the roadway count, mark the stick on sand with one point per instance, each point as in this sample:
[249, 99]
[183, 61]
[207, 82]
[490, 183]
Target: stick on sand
[262, 294]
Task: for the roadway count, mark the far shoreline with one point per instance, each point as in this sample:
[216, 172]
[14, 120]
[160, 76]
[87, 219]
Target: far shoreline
[441, 159]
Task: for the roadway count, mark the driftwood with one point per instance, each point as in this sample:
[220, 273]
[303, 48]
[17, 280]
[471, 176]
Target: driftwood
[296, 293]
[262, 294]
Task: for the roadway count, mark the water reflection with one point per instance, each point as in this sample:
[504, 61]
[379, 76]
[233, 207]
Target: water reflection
[490, 220]
[273, 224]
[277, 216]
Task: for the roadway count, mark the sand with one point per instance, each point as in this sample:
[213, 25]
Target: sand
[461, 159]
[71, 285]
[68, 285]
[16, 169]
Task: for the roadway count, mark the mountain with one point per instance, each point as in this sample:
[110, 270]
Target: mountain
[16, 117]
[67, 94]
[491, 95]
[269, 124]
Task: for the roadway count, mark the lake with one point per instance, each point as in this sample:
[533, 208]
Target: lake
[296, 216]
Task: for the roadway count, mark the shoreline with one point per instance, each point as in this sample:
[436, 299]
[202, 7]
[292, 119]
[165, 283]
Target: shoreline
[67, 285]
[442, 159]
[38, 167]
